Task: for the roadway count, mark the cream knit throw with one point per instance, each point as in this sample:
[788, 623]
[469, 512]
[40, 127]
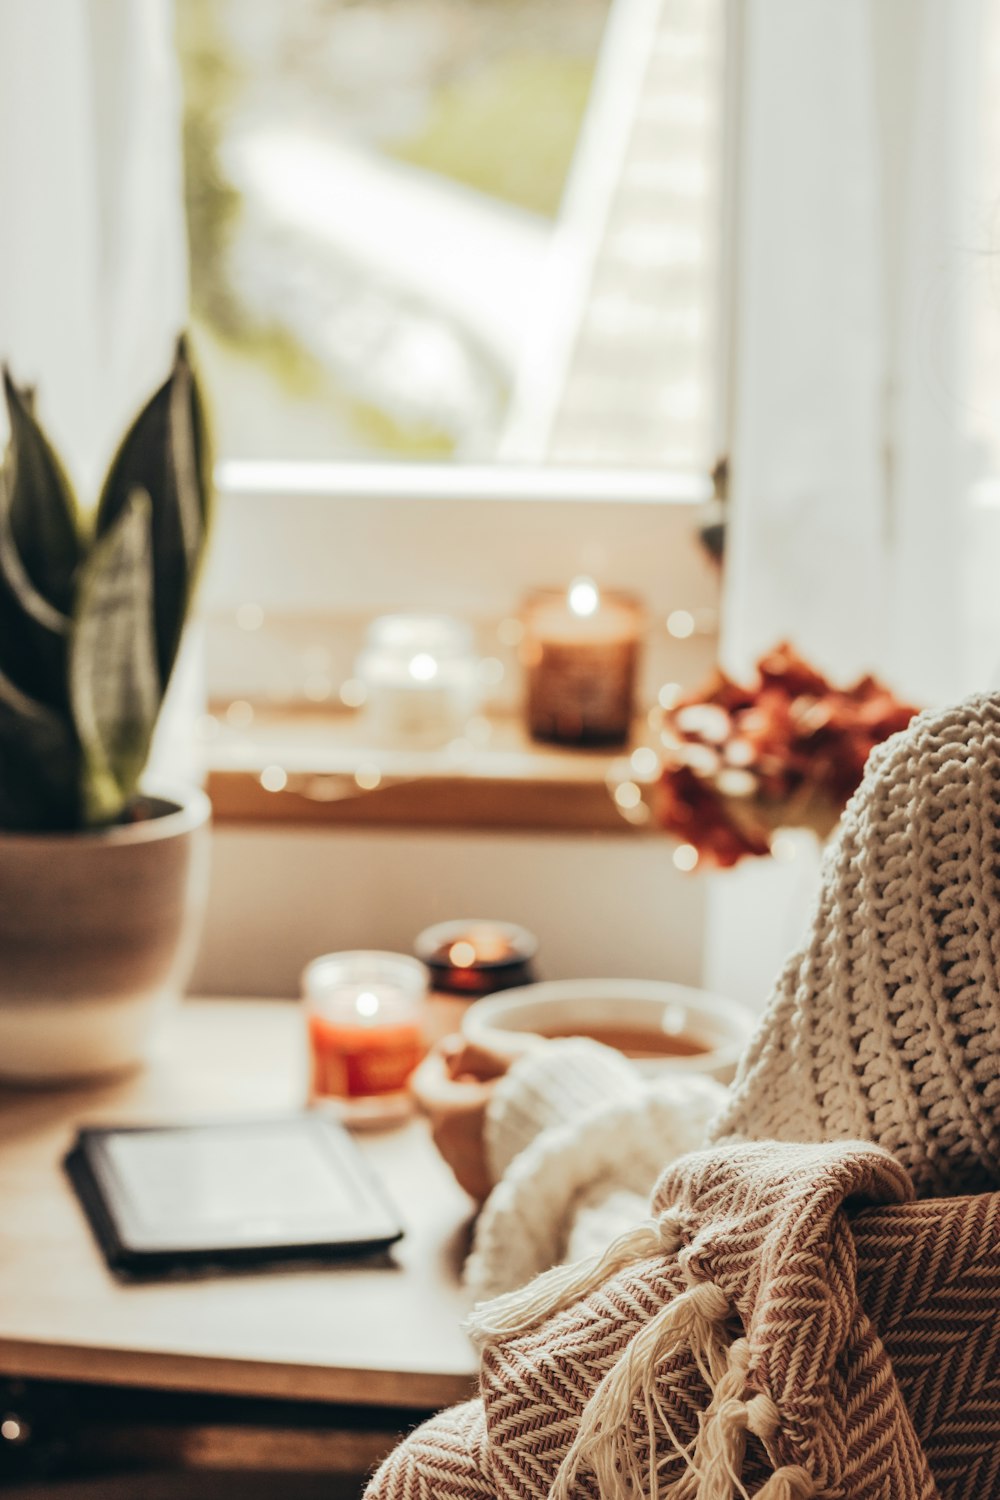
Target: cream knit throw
[885, 1024]
[576, 1139]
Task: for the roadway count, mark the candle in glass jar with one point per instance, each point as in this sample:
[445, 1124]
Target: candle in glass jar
[420, 678]
[366, 1031]
[476, 957]
[580, 651]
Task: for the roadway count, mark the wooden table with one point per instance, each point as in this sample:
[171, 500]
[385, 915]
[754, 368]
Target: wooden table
[328, 1348]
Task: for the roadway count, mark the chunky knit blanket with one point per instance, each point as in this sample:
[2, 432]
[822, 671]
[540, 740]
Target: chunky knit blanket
[791, 1323]
[885, 1024]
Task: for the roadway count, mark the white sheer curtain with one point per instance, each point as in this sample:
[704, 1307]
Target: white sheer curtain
[93, 258]
[850, 463]
[93, 249]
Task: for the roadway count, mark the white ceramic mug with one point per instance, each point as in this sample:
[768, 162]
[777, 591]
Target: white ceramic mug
[519, 1020]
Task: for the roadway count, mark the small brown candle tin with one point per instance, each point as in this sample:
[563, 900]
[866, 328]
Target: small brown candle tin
[475, 957]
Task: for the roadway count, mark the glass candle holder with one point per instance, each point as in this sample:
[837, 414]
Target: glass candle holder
[420, 677]
[365, 1021]
[580, 652]
[476, 957]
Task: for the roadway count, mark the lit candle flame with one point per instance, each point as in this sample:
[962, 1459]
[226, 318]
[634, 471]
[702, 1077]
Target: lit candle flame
[584, 597]
[462, 955]
[366, 1004]
[423, 667]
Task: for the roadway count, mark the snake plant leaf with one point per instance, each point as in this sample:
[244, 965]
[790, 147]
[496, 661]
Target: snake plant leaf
[114, 678]
[33, 633]
[39, 503]
[39, 764]
[166, 454]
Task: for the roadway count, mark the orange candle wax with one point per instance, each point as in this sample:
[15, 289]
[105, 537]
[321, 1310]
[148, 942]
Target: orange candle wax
[365, 1024]
[364, 1041]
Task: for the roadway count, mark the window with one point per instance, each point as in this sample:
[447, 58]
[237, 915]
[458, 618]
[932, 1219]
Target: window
[445, 254]
[457, 229]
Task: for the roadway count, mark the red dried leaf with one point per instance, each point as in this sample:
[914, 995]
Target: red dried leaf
[802, 743]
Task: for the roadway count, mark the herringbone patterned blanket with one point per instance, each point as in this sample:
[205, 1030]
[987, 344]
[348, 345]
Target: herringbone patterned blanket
[791, 1324]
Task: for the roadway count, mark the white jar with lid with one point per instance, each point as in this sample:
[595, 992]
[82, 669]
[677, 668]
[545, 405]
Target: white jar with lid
[420, 678]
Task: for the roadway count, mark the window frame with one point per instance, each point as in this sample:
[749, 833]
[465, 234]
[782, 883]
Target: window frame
[299, 538]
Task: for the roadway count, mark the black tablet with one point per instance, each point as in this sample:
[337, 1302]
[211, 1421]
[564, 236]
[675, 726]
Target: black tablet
[237, 1191]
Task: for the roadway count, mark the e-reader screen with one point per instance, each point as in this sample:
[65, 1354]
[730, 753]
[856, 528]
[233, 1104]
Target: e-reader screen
[290, 1183]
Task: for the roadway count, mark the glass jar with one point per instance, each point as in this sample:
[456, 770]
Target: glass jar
[366, 1028]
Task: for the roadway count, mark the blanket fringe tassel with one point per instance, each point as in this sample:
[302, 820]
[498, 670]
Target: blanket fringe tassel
[625, 1467]
[790, 1483]
[518, 1311]
[604, 1442]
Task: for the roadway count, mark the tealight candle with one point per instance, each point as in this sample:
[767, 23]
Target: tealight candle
[580, 650]
[420, 678]
[476, 957]
[366, 1032]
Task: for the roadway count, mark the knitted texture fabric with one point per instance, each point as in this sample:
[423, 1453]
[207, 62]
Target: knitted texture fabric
[807, 1328]
[561, 1081]
[885, 1024]
[585, 1138]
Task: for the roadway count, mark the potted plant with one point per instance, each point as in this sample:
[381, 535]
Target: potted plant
[101, 879]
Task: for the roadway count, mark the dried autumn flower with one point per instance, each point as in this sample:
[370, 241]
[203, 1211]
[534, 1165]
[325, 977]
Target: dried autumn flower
[739, 762]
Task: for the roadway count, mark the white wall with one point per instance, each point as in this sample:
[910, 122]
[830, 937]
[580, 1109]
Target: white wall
[601, 905]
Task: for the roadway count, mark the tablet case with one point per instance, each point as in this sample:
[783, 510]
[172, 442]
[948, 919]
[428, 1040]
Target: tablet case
[234, 1192]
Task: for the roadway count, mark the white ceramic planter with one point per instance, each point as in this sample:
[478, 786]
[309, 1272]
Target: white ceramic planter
[97, 937]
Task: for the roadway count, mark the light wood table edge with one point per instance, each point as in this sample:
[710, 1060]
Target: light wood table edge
[20, 1360]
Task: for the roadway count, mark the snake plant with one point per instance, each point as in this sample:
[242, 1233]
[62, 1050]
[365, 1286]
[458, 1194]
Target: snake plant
[92, 607]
